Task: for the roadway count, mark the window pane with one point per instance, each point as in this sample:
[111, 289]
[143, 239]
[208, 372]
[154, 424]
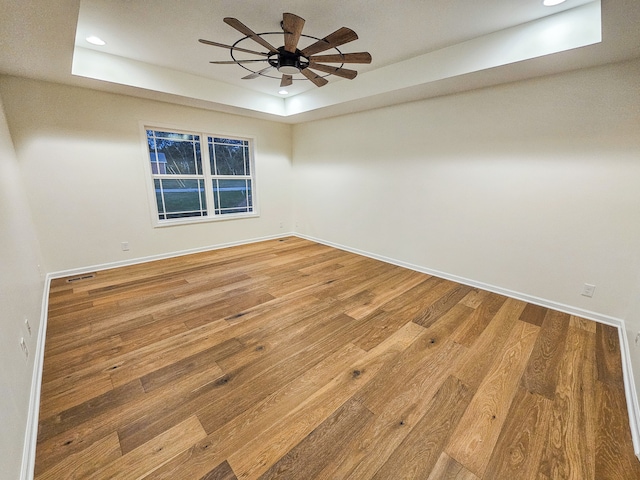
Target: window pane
[174, 135]
[228, 159]
[232, 196]
[247, 163]
[180, 198]
[229, 141]
[174, 153]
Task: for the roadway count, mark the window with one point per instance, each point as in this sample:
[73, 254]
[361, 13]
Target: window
[198, 176]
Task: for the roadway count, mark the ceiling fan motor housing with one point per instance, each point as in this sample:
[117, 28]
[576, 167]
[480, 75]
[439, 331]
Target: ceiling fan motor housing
[288, 63]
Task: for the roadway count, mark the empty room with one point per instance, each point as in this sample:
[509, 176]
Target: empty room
[320, 240]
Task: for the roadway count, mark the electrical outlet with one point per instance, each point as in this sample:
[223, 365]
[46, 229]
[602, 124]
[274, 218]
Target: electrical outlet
[588, 290]
[27, 326]
[638, 339]
[124, 246]
[281, 224]
[24, 348]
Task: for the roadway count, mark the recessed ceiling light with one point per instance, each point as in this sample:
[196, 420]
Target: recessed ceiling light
[93, 40]
[552, 3]
[283, 92]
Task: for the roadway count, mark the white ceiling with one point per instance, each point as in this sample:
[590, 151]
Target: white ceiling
[38, 38]
[165, 32]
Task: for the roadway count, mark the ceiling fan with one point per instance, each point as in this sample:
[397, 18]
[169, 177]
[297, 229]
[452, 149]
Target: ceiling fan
[288, 59]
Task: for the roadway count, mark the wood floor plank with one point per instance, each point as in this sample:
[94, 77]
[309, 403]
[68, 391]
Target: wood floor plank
[542, 370]
[221, 472]
[135, 288]
[274, 316]
[98, 405]
[417, 298]
[375, 278]
[102, 453]
[151, 455]
[475, 298]
[446, 468]
[570, 448]
[385, 322]
[475, 437]
[205, 360]
[418, 359]
[75, 359]
[583, 323]
[72, 393]
[418, 453]
[382, 325]
[534, 314]
[288, 358]
[267, 447]
[57, 441]
[483, 314]
[231, 306]
[64, 309]
[612, 460]
[161, 354]
[265, 340]
[400, 393]
[401, 281]
[474, 365]
[322, 445]
[608, 355]
[408, 404]
[82, 335]
[523, 437]
[433, 312]
[259, 379]
[154, 331]
[232, 436]
[237, 390]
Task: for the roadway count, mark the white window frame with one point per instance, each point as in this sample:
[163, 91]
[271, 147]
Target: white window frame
[207, 177]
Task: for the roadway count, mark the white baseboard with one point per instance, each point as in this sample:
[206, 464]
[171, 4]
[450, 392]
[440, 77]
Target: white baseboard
[633, 407]
[28, 458]
[162, 256]
[598, 317]
[31, 433]
[630, 391]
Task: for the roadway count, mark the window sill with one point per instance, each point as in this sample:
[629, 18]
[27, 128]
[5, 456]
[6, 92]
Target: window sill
[192, 220]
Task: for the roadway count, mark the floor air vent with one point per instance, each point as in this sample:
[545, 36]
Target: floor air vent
[81, 277]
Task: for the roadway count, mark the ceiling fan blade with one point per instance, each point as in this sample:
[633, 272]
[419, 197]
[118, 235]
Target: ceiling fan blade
[286, 80]
[314, 77]
[256, 74]
[242, 28]
[339, 37]
[359, 57]
[216, 44]
[231, 62]
[292, 25]
[341, 72]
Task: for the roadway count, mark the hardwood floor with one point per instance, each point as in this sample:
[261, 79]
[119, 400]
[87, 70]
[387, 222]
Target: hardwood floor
[289, 359]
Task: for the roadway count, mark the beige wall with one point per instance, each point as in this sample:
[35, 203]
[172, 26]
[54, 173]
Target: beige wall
[531, 186]
[82, 154]
[21, 290]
